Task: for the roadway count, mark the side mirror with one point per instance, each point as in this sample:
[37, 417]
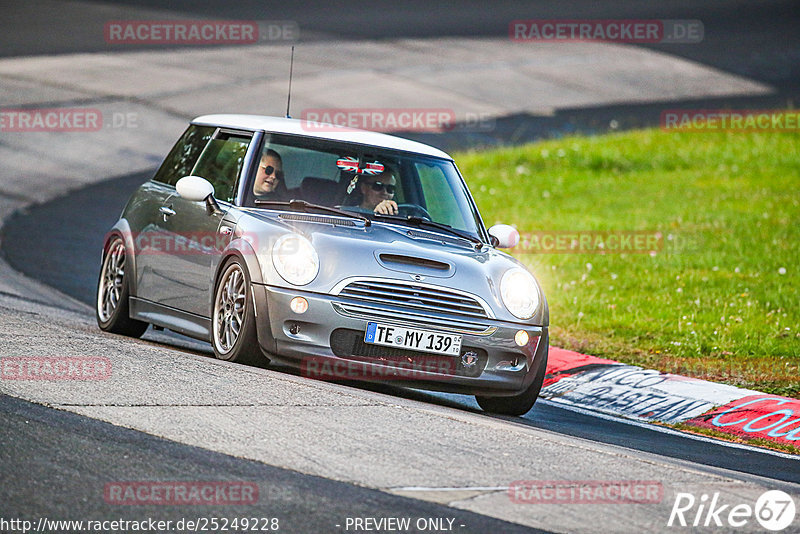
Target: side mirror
[504, 236]
[194, 188]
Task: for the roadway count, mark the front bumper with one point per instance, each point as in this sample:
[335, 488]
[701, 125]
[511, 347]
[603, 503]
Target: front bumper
[327, 342]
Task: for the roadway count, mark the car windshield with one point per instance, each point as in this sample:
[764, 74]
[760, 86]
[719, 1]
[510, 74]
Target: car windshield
[355, 178]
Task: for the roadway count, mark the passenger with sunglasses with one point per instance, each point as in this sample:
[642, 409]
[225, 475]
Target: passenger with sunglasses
[378, 193]
[269, 179]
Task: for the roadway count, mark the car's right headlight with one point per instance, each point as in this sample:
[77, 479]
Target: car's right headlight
[520, 292]
[295, 259]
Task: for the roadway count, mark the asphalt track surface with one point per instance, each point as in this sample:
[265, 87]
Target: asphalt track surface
[69, 233]
[757, 40]
[754, 39]
[57, 463]
[51, 458]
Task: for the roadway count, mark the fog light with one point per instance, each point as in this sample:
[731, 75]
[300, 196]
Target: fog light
[299, 305]
[521, 338]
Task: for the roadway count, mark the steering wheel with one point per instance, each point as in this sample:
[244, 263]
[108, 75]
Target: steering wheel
[413, 210]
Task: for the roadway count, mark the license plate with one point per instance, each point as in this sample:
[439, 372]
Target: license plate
[411, 338]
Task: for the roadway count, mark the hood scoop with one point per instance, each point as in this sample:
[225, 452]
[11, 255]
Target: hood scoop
[412, 260]
[415, 264]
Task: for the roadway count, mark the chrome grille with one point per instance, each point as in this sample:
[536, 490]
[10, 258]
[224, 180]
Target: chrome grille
[413, 319]
[416, 297]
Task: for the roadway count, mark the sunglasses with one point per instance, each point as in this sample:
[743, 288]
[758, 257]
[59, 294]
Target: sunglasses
[269, 169]
[380, 186]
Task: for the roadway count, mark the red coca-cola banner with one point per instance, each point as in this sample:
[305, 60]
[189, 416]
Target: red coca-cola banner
[756, 416]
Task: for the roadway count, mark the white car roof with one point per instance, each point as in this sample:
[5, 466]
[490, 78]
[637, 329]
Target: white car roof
[318, 130]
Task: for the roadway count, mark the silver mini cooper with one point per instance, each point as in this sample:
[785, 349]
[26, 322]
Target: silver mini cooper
[348, 254]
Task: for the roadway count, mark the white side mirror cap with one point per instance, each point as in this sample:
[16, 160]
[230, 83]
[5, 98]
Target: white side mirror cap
[194, 188]
[507, 236]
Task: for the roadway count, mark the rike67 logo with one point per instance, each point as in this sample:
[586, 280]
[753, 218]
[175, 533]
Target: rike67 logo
[774, 510]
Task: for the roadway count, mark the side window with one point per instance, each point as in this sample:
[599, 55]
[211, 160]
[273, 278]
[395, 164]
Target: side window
[184, 154]
[221, 163]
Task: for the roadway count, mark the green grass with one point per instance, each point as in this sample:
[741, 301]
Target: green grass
[723, 308]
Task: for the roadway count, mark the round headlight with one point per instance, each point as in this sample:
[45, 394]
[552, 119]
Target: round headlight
[520, 293]
[295, 259]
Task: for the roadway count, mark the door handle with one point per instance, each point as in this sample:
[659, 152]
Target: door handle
[166, 212]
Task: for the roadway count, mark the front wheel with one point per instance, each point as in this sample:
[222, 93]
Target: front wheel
[234, 323]
[516, 404]
[112, 308]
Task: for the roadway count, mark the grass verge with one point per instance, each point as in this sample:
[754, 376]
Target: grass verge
[718, 297]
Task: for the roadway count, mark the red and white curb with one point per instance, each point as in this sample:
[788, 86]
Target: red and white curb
[614, 388]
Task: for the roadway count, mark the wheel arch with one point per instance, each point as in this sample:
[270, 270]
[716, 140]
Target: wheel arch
[243, 250]
[122, 230]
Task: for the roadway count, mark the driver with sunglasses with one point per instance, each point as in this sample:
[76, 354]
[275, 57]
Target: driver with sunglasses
[378, 192]
[269, 176]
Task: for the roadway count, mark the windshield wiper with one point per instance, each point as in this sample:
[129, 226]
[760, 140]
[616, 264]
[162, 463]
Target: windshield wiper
[419, 221]
[302, 205]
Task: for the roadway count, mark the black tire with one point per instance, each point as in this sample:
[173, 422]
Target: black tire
[244, 348]
[112, 309]
[516, 404]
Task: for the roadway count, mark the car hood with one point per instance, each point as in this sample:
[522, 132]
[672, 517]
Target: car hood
[347, 249]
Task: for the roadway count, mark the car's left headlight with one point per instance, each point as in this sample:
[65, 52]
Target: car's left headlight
[520, 293]
[295, 259]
